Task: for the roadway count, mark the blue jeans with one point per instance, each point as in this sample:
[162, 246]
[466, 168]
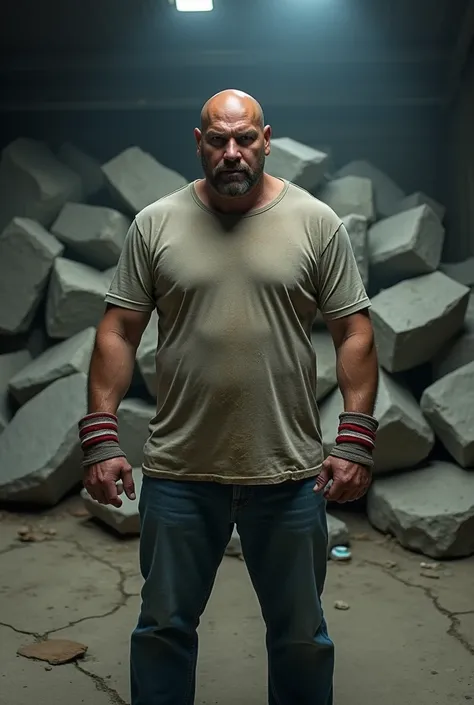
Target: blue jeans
[185, 528]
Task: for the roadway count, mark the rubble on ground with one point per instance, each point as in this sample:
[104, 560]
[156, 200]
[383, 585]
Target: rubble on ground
[448, 404]
[405, 245]
[40, 456]
[458, 351]
[93, 233]
[419, 199]
[88, 168]
[137, 179]
[356, 226]
[415, 318]
[27, 255]
[34, 183]
[61, 360]
[10, 364]
[296, 162]
[386, 192]
[430, 510]
[350, 195]
[462, 272]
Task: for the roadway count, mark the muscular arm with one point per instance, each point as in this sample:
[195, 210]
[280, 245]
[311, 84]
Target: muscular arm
[113, 358]
[357, 367]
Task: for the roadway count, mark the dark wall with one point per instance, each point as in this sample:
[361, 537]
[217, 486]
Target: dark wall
[404, 141]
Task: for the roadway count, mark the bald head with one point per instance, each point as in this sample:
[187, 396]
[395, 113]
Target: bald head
[233, 142]
[234, 105]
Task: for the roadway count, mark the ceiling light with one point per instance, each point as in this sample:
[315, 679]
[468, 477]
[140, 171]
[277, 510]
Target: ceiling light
[194, 5]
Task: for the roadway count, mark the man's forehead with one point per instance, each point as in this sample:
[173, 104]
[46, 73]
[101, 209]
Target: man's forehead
[223, 125]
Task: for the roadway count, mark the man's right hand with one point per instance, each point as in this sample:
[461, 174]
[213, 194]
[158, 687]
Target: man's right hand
[101, 480]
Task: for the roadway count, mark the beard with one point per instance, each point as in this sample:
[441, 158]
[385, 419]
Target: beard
[235, 184]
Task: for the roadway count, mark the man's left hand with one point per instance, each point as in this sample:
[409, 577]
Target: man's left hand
[350, 480]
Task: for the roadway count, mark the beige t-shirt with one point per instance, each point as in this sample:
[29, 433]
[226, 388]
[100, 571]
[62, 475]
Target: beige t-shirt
[236, 298]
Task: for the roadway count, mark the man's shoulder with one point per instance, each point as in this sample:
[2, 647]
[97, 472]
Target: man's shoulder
[155, 212]
[320, 218]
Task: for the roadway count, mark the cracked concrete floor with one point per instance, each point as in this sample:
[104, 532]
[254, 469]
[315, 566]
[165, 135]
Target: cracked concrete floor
[407, 637]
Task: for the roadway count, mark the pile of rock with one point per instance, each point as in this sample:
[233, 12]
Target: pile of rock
[64, 218]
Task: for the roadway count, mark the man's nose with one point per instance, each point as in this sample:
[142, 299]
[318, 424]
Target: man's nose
[232, 152]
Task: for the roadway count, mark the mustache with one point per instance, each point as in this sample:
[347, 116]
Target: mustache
[223, 169]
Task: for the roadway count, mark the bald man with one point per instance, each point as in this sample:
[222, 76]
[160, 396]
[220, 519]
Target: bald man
[236, 265]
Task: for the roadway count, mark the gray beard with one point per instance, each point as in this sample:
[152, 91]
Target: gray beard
[236, 188]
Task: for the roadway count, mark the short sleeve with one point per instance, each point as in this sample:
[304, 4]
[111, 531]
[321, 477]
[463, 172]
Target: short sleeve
[341, 290]
[132, 285]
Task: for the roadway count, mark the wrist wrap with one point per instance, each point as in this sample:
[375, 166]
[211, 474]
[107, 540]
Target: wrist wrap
[355, 439]
[98, 434]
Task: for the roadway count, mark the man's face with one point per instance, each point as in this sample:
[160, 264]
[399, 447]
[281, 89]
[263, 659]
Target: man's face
[232, 150]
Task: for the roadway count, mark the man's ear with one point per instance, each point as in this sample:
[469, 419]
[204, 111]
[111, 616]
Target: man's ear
[198, 138]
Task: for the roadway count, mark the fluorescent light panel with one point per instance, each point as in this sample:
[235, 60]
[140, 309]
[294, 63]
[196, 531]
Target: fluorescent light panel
[194, 5]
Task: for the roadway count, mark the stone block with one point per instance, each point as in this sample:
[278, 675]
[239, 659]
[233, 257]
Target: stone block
[386, 192]
[63, 359]
[75, 298]
[448, 404]
[325, 362]
[125, 520]
[40, 454]
[460, 350]
[87, 168]
[404, 437]
[356, 226]
[27, 255]
[93, 233]
[350, 195]
[146, 355]
[10, 364]
[296, 162]
[338, 533]
[134, 418]
[420, 199]
[406, 245]
[429, 511]
[137, 179]
[33, 183]
[462, 272]
[413, 319]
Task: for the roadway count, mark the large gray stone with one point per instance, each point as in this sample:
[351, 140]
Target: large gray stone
[75, 298]
[406, 245]
[88, 168]
[125, 520]
[33, 183]
[10, 363]
[325, 362]
[460, 350]
[146, 355]
[27, 255]
[386, 192]
[137, 179]
[40, 455]
[413, 319]
[356, 226]
[419, 199]
[448, 405]
[297, 162]
[404, 437]
[429, 511]
[462, 272]
[63, 359]
[94, 233]
[350, 195]
[134, 417]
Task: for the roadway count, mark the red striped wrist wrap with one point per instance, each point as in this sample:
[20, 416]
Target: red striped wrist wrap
[98, 433]
[355, 439]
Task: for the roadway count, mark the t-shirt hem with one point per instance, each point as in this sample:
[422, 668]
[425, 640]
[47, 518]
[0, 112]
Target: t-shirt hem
[273, 479]
[348, 310]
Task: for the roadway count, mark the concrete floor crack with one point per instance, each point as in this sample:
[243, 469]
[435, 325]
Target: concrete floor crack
[21, 631]
[101, 685]
[455, 624]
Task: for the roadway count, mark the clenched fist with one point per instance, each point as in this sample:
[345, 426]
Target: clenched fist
[101, 481]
